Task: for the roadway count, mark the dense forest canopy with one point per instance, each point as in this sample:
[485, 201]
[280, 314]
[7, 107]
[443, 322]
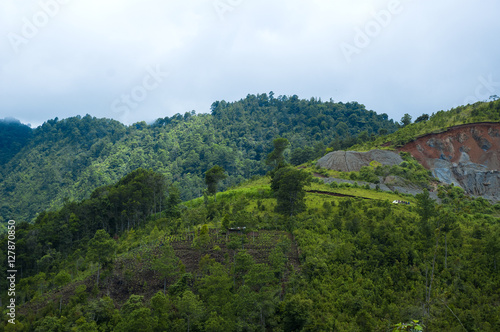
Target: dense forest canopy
[67, 159]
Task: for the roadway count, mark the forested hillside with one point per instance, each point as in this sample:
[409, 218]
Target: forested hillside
[67, 159]
[346, 259]
[13, 137]
[113, 247]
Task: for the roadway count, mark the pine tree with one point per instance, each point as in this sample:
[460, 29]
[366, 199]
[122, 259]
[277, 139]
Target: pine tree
[288, 186]
[101, 250]
[212, 178]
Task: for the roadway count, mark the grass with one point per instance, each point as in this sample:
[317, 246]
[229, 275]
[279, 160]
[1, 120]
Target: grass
[259, 188]
[362, 193]
[261, 200]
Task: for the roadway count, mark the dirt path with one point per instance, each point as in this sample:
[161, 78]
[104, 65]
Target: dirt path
[333, 194]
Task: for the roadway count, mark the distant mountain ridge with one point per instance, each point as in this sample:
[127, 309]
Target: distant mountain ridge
[13, 137]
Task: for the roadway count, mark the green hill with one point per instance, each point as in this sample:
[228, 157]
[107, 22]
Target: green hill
[13, 137]
[350, 261]
[67, 159]
[437, 122]
[281, 252]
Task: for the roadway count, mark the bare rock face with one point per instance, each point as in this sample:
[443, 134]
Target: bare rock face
[467, 156]
[352, 161]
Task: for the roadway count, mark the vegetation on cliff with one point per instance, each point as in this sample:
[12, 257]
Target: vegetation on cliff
[437, 122]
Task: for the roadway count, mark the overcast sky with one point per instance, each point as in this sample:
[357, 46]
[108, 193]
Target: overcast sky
[141, 60]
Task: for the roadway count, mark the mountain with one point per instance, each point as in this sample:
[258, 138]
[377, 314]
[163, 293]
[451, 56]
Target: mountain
[67, 159]
[362, 246]
[351, 260]
[13, 137]
[436, 123]
[459, 147]
[467, 156]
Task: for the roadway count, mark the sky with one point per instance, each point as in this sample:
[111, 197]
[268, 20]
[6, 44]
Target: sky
[141, 60]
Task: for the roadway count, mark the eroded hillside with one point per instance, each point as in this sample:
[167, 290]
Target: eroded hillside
[467, 156]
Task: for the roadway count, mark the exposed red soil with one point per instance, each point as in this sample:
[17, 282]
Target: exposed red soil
[481, 142]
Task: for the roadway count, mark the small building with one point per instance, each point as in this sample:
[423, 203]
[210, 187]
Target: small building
[238, 230]
[400, 202]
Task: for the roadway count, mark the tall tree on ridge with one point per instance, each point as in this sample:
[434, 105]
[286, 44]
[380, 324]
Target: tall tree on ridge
[276, 158]
[212, 178]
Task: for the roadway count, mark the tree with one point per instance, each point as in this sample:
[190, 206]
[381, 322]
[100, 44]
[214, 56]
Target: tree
[101, 250]
[215, 287]
[216, 323]
[243, 261]
[202, 239]
[166, 263]
[62, 278]
[190, 307]
[300, 156]
[136, 317]
[426, 206]
[258, 276]
[296, 312]
[133, 303]
[406, 119]
[52, 324]
[81, 325]
[276, 158]
[102, 310]
[288, 186]
[161, 307]
[212, 178]
[413, 326]
[422, 118]
[173, 201]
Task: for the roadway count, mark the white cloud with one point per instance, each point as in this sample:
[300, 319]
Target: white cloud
[428, 57]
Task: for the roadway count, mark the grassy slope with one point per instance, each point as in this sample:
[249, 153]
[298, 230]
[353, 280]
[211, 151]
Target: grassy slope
[135, 245]
[262, 185]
